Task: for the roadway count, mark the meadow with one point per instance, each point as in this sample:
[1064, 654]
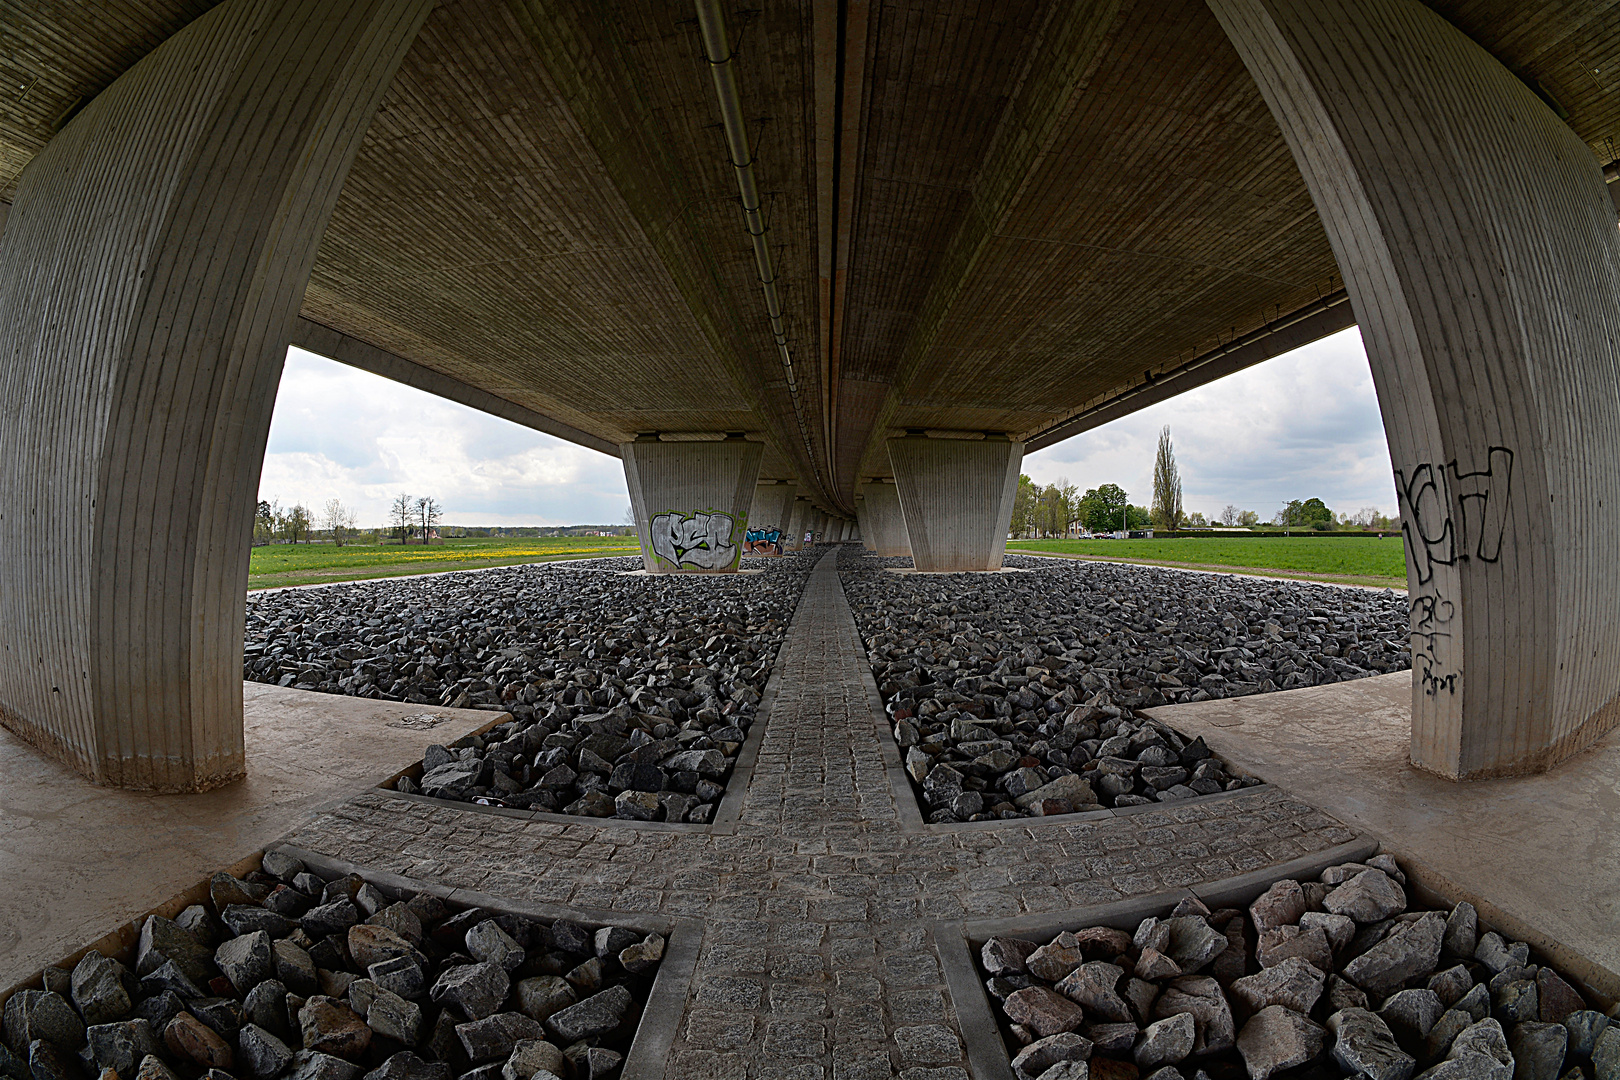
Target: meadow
[1352, 560]
[276, 565]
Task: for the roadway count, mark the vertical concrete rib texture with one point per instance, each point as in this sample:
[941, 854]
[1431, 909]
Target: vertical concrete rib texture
[150, 273]
[883, 525]
[956, 496]
[683, 480]
[1480, 252]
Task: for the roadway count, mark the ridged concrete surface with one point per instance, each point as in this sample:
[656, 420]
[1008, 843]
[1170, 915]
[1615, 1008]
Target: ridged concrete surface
[957, 496]
[1480, 252]
[690, 481]
[151, 269]
[883, 525]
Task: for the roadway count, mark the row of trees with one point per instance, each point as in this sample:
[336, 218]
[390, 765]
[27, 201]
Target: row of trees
[1059, 510]
[297, 523]
[410, 518]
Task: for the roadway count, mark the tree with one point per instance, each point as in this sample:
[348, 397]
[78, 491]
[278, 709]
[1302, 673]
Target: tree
[400, 514]
[1196, 520]
[1102, 509]
[1230, 515]
[294, 524]
[264, 522]
[1024, 503]
[339, 519]
[428, 512]
[1140, 518]
[1248, 519]
[1315, 514]
[1167, 511]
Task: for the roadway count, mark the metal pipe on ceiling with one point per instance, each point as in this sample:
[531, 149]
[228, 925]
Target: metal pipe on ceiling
[717, 51]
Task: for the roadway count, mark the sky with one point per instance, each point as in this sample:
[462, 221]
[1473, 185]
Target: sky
[1303, 425]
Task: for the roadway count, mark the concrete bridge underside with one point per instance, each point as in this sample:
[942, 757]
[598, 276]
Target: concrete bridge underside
[977, 229]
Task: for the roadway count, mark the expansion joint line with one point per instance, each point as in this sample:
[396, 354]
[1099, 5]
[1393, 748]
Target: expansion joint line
[712, 22]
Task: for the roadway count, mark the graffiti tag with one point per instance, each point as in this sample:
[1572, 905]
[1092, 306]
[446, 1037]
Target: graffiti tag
[701, 540]
[763, 541]
[1431, 617]
[1434, 536]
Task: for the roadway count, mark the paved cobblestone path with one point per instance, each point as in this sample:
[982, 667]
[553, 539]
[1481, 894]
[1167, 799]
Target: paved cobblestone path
[818, 957]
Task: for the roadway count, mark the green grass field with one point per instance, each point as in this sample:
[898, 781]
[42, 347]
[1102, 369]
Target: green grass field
[304, 564]
[1353, 560]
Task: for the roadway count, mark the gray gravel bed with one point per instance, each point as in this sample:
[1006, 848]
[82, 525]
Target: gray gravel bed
[1346, 976]
[1015, 694]
[284, 974]
[630, 696]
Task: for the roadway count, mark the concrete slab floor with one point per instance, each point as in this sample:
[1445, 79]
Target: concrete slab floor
[77, 860]
[1544, 850]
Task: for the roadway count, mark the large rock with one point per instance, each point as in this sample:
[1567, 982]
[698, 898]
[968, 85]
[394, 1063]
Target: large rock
[532, 1056]
[392, 1017]
[1368, 897]
[1043, 1012]
[1193, 943]
[1558, 999]
[1295, 982]
[1584, 1027]
[1070, 788]
[1409, 952]
[1200, 996]
[370, 943]
[596, 1015]
[543, 995]
[477, 990]
[1278, 1038]
[1412, 1013]
[1280, 905]
[1364, 1046]
[97, 986]
[1094, 985]
[1283, 943]
[489, 943]
[42, 1014]
[1462, 931]
[495, 1036]
[191, 1039]
[1166, 1042]
[120, 1046]
[314, 1065]
[407, 1066]
[246, 961]
[1606, 1054]
[331, 1027]
[260, 1054]
[163, 940]
[1480, 1052]
[1055, 959]
[642, 956]
[1538, 1050]
[1032, 1061]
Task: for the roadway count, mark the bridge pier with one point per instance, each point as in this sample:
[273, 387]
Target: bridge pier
[1479, 249]
[151, 272]
[773, 503]
[956, 496]
[798, 523]
[691, 501]
[883, 524]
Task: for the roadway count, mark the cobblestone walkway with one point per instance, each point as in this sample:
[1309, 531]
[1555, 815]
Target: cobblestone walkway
[818, 957]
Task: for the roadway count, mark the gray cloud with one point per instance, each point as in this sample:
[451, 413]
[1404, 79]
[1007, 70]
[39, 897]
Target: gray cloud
[1305, 424]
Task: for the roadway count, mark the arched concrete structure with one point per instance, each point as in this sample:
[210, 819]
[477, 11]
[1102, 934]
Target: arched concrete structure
[883, 525]
[691, 502]
[1479, 249]
[151, 271]
[957, 497]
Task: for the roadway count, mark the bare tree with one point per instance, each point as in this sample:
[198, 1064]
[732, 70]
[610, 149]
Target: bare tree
[400, 514]
[1230, 515]
[1167, 512]
[295, 523]
[428, 512]
[338, 519]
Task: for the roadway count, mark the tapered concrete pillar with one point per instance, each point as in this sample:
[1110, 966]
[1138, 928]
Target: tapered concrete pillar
[956, 496]
[883, 526]
[798, 523]
[1479, 248]
[768, 517]
[151, 271]
[691, 502]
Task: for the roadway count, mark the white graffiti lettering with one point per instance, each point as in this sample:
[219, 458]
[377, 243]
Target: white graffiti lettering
[700, 540]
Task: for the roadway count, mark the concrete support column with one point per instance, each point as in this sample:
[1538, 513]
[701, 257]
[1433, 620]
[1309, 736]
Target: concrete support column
[1479, 248]
[768, 517]
[884, 528]
[151, 271]
[691, 502]
[957, 497]
[798, 523]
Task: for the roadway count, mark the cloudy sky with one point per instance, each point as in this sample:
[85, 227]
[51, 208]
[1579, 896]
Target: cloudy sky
[1305, 424]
